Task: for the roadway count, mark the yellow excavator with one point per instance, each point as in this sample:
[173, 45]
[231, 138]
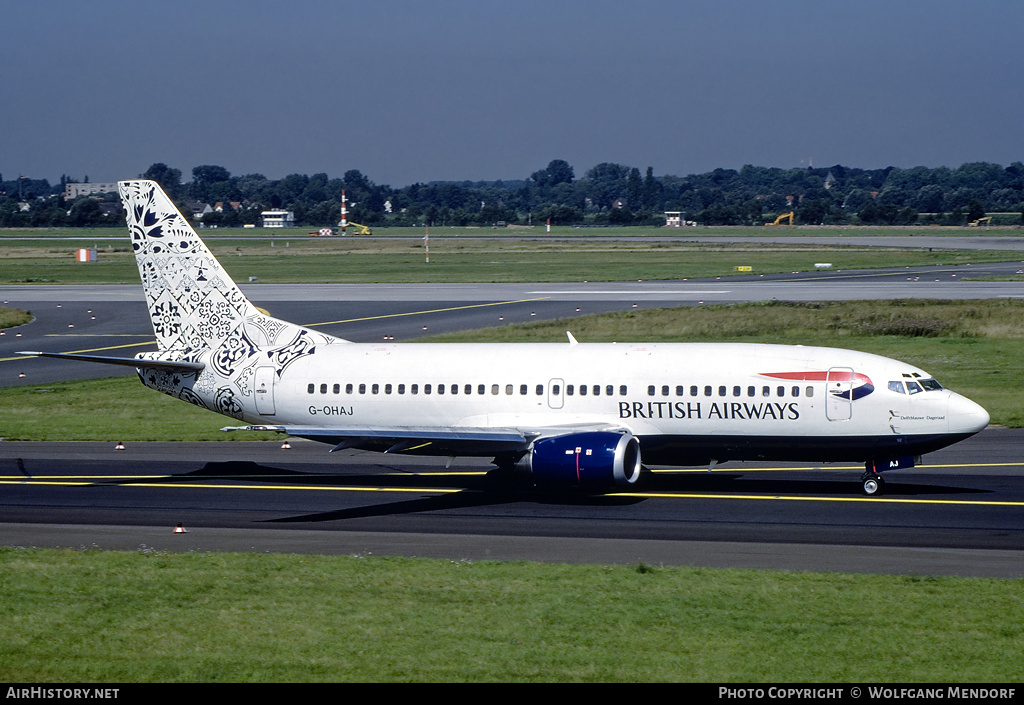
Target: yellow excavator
[783, 217]
[357, 229]
[987, 220]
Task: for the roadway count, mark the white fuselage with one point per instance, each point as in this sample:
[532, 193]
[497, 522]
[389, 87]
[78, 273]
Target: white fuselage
[687, 403]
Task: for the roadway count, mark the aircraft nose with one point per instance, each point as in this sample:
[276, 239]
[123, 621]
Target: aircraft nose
[965, 416]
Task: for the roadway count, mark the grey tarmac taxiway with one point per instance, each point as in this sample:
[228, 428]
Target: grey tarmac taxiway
[960, 514]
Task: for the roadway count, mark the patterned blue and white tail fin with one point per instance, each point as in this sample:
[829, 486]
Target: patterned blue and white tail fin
[200, 315]
[193, 302]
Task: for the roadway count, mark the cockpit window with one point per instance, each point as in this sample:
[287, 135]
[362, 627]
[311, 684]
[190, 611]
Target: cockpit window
[897, 387]
[914, 387]
[930, 385]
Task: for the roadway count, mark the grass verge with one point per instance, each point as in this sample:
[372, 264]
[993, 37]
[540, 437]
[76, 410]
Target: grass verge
[470, 259]
[130, 412]
[11, 317]
[91, 616]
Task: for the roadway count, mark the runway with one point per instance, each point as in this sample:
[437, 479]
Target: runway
[961, 514]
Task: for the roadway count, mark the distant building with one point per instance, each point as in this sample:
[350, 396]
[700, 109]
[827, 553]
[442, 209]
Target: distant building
[674, 219]
[72, 191]
[198, 209]
[278, 219]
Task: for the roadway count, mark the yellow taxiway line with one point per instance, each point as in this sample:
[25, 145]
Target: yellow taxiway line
[94, 480]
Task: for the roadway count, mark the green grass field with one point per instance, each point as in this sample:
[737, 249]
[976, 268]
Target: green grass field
[86, 234]
[10, 317]
[144, 616]
[462, 258]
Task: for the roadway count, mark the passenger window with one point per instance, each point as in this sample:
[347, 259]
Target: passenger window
[809, 392]
[721, 391]
[650, 390]
[522, 389]
[426, 389]
[323, 389]
[494, 389]
[387, 389]
[693, 391]
[362, 388]
[480, 389]
[751, 391]
[375, 388]
[455, 389]
[766, 391]
[622, 390]
[401, 389]
[569, 389]
[440, 389]
[348, 388]
[664, 390]
[707, 391]
[583, 390]
[540, 390]
[508, 389]
[414, 388]
[336, 389]
[556, 389]
[311, 388]
[796, 391]
[780, 391]
[609, 390]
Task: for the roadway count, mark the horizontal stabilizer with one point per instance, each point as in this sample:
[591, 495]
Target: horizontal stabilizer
[171, 365]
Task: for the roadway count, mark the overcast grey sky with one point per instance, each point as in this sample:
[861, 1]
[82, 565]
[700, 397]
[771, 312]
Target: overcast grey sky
[410, 91]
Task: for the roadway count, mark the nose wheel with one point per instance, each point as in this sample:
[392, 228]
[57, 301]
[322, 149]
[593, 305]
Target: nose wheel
[872, 483]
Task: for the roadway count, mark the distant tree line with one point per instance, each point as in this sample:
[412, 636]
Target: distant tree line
[607, 194]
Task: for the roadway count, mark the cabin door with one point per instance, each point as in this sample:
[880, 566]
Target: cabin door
[263, 390]
[839, 394]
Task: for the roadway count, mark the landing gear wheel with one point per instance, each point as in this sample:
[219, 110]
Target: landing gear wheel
[873, 484]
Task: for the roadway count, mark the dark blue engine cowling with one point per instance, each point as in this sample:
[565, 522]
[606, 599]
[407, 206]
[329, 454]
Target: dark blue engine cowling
[590, 460]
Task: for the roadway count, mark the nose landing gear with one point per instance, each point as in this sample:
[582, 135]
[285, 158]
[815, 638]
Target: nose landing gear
[872, 483]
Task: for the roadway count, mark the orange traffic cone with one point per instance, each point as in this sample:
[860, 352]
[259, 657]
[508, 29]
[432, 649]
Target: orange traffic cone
[119, 446]
[179, 529]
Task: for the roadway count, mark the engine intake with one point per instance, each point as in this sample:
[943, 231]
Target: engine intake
[590, 460]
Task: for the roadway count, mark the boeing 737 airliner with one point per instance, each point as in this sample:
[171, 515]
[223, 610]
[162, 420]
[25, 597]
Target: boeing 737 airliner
[570, 415]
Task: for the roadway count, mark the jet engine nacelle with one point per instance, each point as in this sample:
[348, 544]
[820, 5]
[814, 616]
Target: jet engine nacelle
[590, 460]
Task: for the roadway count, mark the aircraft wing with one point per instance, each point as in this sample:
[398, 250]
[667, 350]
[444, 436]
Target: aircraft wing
[169, 365]
[423, 440]
[427, 440]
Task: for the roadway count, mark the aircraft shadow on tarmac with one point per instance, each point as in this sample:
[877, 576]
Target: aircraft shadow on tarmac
[494, 488]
